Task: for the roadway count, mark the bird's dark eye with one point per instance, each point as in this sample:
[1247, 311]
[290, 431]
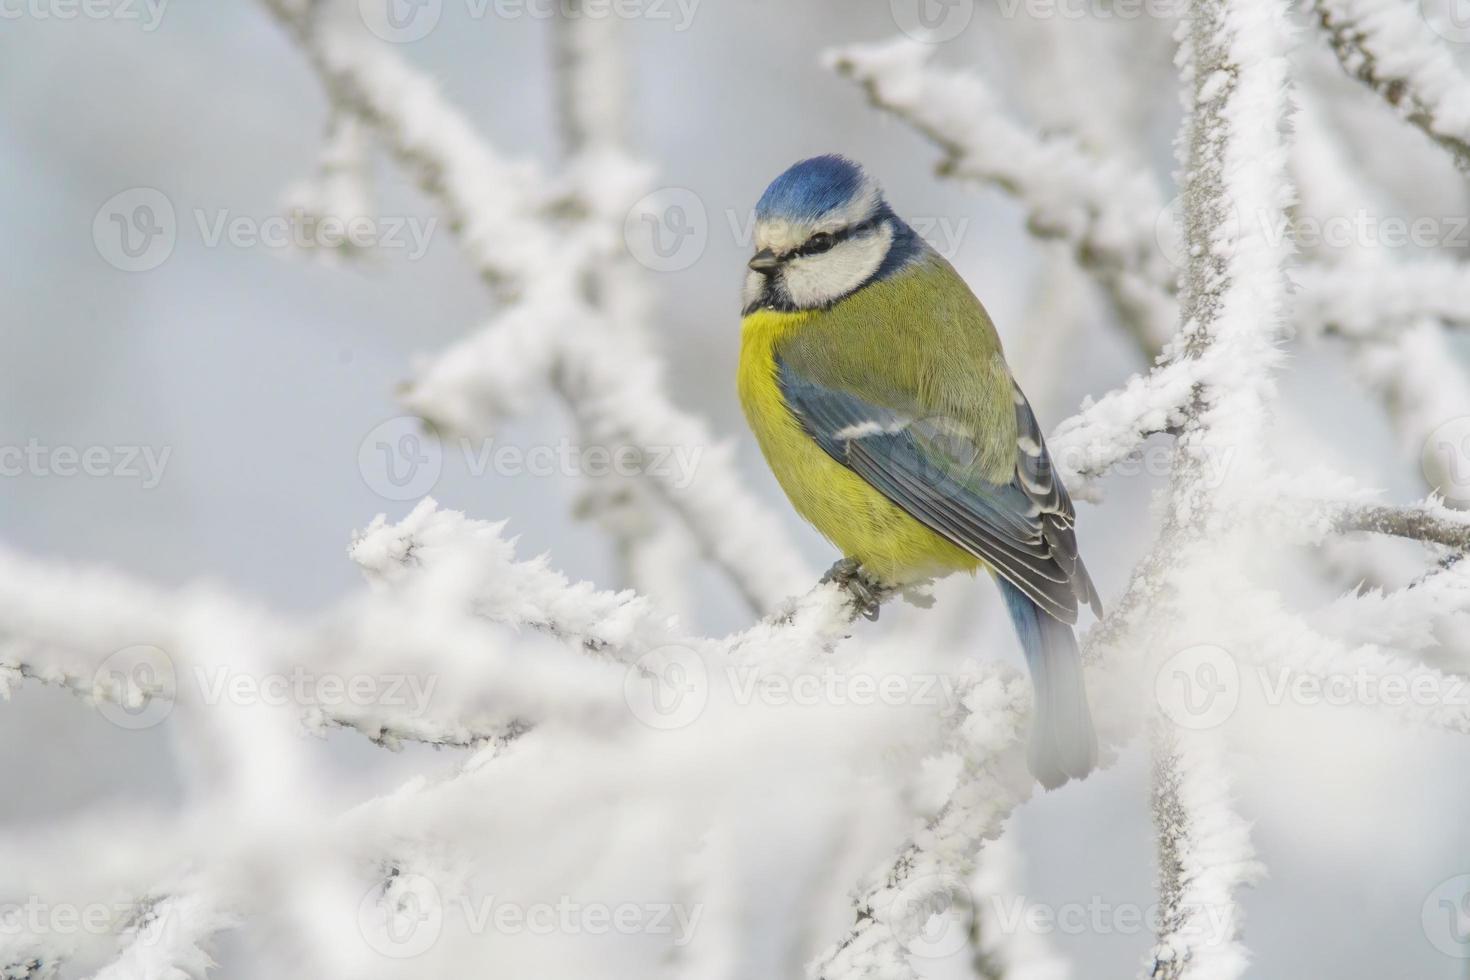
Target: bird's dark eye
[819, 242]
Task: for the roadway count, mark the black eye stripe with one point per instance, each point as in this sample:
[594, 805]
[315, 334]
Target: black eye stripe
[818, 243]
[823, 241]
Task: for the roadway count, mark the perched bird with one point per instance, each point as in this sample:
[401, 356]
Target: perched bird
[876, 386]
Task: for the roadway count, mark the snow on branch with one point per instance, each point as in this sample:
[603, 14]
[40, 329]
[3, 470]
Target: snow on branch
[500, 213]
[444, 589]
[1383, 679]
[1378, 301]
[513, 658]
[1390, 314]
[169, 937]
[930, 874]
[426, 651]
[1404, 618]
[1233, 70]
[1397, 343]
[1205, 857]
[1430, 522]
[491, 203]
[1212, 388]
[502, 589]
[1108, 213]
[1105, 210]
[1107, 431]
[927, 875]
[614, 394]
[1388, 46]
[591, 76]
[591, 80]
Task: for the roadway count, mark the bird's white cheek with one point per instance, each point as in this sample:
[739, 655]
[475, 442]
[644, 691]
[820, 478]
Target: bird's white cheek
[818, 279]
[751, 291]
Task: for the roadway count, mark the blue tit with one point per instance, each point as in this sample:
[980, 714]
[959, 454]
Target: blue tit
[876, 386]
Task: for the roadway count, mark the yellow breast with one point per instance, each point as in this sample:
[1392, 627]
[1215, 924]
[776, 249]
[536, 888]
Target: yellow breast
[859, 520]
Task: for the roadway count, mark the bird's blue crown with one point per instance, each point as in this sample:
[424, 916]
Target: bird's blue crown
[811, 188]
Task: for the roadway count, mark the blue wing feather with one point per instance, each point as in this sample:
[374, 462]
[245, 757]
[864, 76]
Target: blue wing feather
[928, 466]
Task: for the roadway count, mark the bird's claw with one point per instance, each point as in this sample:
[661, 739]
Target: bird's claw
[867, 594]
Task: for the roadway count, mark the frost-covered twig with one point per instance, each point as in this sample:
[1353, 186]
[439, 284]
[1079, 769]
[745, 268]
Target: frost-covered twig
[446, 593]
[1205, 856]
[1212, 390]
[1381, 678]
[1233, 68]
[1105, 210]
[1107, 431]
[591, 80]
[427, 645]
[499, 211]
[1432, 523]
[1404, 618]
[1387, 45]
[1391, 315]
[170, 937]
[591, 89]
[896, 900]
[1382, 299]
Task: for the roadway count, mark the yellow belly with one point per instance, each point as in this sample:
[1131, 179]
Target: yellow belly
[867, 526]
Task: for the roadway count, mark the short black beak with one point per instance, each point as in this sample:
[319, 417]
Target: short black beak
[764, 261]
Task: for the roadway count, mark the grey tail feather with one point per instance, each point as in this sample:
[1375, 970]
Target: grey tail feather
[1063, 744]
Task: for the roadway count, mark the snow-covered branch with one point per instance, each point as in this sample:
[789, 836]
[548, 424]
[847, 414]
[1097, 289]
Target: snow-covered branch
[1381, 679]
[1390, 314]
[1234, 80]
[1432, 523]
[1212, 389]
[934, 866]
[499, 210]
[1388, 46]
[1107, 431]
[598, 717]
[1105, 210]
[1205, 857]
[1382, 299]
[423, 657]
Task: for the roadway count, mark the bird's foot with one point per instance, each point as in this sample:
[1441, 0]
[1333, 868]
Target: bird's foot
[867, 593]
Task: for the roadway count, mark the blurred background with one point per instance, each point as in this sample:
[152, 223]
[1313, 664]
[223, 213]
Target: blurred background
[255, 372]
